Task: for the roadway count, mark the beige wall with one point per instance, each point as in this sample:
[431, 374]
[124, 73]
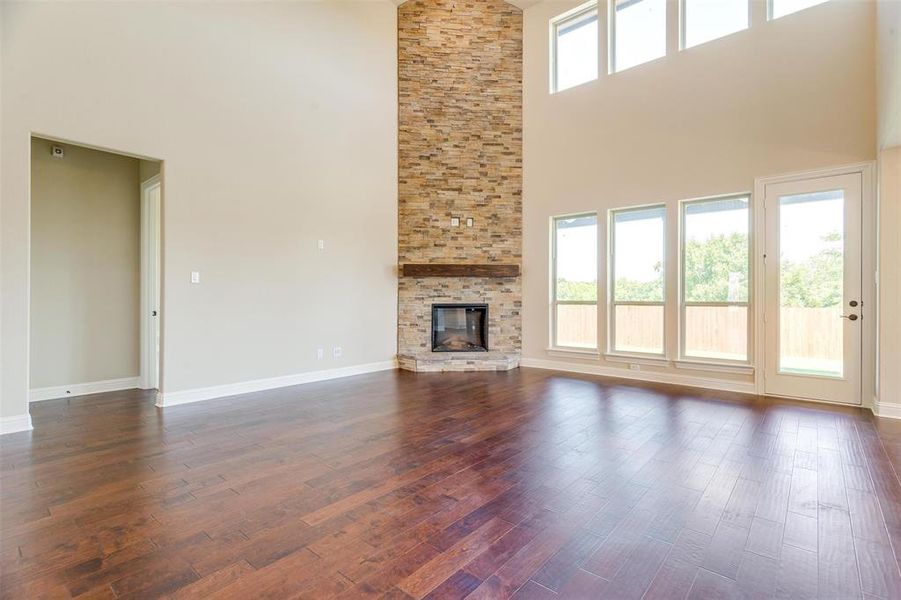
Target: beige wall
[788, 95]
[890, 277]
[85, 266]
[267, 147]
[888, 42]
[888, 69]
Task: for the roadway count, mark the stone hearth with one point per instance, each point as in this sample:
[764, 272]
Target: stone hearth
[436, 362]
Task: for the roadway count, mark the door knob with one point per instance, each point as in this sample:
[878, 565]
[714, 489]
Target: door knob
[850, 317]
[153, 314]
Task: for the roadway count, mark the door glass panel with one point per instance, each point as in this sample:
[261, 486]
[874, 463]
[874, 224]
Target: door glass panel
[811, 283]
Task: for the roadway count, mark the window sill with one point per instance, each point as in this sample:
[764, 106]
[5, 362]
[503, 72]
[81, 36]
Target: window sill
[637, 359]
[585, 354]
[697, 365]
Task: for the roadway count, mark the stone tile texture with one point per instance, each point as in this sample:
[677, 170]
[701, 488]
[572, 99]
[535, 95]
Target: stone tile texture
[459, 155]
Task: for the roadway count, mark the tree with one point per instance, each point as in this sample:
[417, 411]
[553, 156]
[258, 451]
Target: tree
[817, 281]
[716, 269]
[577, 290]
[630, 290]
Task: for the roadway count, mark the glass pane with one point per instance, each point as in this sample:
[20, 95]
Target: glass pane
[638, 329]
[719, 332]
[640, 32]
[577, 258]
[707, 20]
[577, 325]
[811, 278]
[715, 251]
[577, 50]
[638, 237]
[787, 7]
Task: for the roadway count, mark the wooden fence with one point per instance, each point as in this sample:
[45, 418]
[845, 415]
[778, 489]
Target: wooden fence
[807, 333]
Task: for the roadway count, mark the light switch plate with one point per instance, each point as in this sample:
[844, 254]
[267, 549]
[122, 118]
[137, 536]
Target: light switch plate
[195, 276]
[455, 221]
[469, 222]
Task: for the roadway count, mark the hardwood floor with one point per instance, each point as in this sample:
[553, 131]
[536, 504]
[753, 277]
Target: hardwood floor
[526, 484]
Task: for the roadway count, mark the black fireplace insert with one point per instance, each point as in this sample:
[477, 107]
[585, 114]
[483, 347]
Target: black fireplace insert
[459, 328]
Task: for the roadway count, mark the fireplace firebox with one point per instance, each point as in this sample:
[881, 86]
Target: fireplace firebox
[459, 328]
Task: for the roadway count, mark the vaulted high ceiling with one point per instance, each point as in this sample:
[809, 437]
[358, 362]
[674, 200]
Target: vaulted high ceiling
[519, 3]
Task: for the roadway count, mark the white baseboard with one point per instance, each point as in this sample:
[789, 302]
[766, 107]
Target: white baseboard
[258, 385]
[16, 423]
[81, 389]
[686, 380]
[887, 410]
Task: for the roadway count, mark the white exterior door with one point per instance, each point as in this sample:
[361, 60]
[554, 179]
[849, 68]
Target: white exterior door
[812, 289]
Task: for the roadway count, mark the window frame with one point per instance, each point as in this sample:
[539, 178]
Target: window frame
[554, 302]
[747, 304]
[683, 21]
[612, 303]
[611, 40]
[555, 23]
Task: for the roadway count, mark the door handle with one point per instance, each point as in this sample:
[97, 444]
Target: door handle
[850, 317]
[153, 314]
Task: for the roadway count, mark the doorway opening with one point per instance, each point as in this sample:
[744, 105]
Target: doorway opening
[95, 270]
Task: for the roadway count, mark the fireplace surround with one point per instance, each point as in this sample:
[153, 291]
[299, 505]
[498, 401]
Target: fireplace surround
[459, 236]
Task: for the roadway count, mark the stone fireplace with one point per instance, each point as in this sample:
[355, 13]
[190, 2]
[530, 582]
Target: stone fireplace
[459, 177]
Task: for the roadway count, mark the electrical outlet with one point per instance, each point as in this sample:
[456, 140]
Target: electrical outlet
[336, 352]
[195, 276]
[634, 367]
[321, 244]
[320, 353]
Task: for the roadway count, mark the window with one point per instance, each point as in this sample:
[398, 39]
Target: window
[637, 280]
[575, 282]
[715, 278]
[575, 48]
[780, 8]
[705, 20]
[639, 32]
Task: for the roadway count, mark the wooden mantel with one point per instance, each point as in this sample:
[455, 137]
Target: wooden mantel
[459, 270]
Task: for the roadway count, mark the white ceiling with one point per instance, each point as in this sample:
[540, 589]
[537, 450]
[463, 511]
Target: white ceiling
[519, 3]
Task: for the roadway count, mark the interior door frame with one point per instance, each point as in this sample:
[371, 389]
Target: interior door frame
[151, 292]
[869, 274]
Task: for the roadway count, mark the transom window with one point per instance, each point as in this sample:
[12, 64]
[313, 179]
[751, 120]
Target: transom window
[575, 282]
[574, 52]
[638, 280]
[706, 20]
[639, 32]
[780, 8]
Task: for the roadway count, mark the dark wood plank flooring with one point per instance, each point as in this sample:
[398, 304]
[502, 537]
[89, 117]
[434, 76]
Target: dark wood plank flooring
[527, 484]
